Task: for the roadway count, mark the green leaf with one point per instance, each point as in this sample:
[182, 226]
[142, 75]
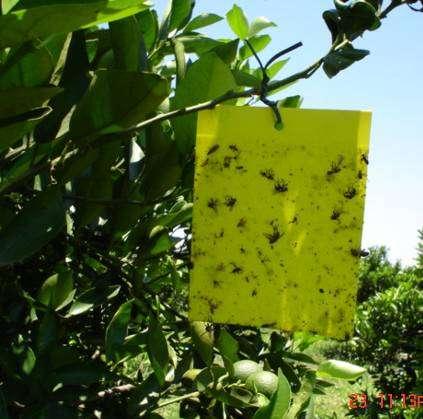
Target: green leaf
[91, 298]
[271, 71]
[31, 64]
[342, 58]
[117, 100]
[306, 409]
[126, 40]
[205, 19]
[340, 369]
[279, 402]
[246, 79]
[157, 350]
[332, 20]
[117, 330]
[299, 356]
[226, 51]
[149, 27]
[57, 290]
[40, 221]
[359, 16]
[228, 346]
[291, 102]
[197, 44]
[177, 215]
[180, 14]
[231, 399]
[258, 42]
[97, 184]
[75, 164]
[238, 22]
[23, 164]
[75, 77]
[161, 244]
[28, 362]
[277, 66]
[19, 100]
[206, 79]
[203, 340]
[14, 128]
[258, 24]
[62, 16]
[133, 346]
[155, 182]
[47, 331]
[8, 5]
[179, 51]
[303, 340]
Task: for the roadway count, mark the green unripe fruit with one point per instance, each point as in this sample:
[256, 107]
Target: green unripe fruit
[243, 369]
[264, 382]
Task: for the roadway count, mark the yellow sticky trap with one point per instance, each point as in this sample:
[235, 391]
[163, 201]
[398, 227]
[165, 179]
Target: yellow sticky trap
[278, 218]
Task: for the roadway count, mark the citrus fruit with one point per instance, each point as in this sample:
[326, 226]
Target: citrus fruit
[243, 369]
[265, 382]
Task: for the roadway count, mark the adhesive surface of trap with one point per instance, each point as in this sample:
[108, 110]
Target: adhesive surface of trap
[278, 218]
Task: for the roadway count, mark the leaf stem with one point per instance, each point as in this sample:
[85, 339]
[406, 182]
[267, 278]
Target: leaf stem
[229, 95]
[283, 52]
[177, 399]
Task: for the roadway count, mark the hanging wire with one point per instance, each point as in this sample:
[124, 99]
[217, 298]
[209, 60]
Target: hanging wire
[265, 79]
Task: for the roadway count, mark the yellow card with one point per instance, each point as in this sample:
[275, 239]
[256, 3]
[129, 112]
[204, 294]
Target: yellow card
[278, 218]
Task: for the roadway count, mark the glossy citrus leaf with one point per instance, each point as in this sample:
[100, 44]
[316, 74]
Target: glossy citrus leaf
[258, 24]
[91, 298]
[14, 128]
[200, 21]
[116, 331]
[40, 221]
[57, 291]
[116, 100]
[238, 22]
[18, 100]
[279, 402]
[206, 79]
[157, 350]
[340, 369]
[61, 16]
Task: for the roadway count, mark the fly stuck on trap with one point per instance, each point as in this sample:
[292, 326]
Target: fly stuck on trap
[278, 218]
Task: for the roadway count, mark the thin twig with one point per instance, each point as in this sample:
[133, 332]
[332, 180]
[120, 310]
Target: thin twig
[122, 201]
[283, 52]
[177, 399]
[229, 95]
[262, 68]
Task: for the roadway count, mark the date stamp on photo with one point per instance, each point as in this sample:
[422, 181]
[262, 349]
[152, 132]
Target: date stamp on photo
[386, 401]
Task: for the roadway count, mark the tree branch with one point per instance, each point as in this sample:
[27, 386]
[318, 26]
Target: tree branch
[210, 104]
[229, 95]
[177, 399]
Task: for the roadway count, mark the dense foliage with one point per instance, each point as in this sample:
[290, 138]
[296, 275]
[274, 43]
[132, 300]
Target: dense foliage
[388, 330]
[97, 129]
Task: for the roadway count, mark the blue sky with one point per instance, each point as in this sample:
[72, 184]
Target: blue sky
[387, 82]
